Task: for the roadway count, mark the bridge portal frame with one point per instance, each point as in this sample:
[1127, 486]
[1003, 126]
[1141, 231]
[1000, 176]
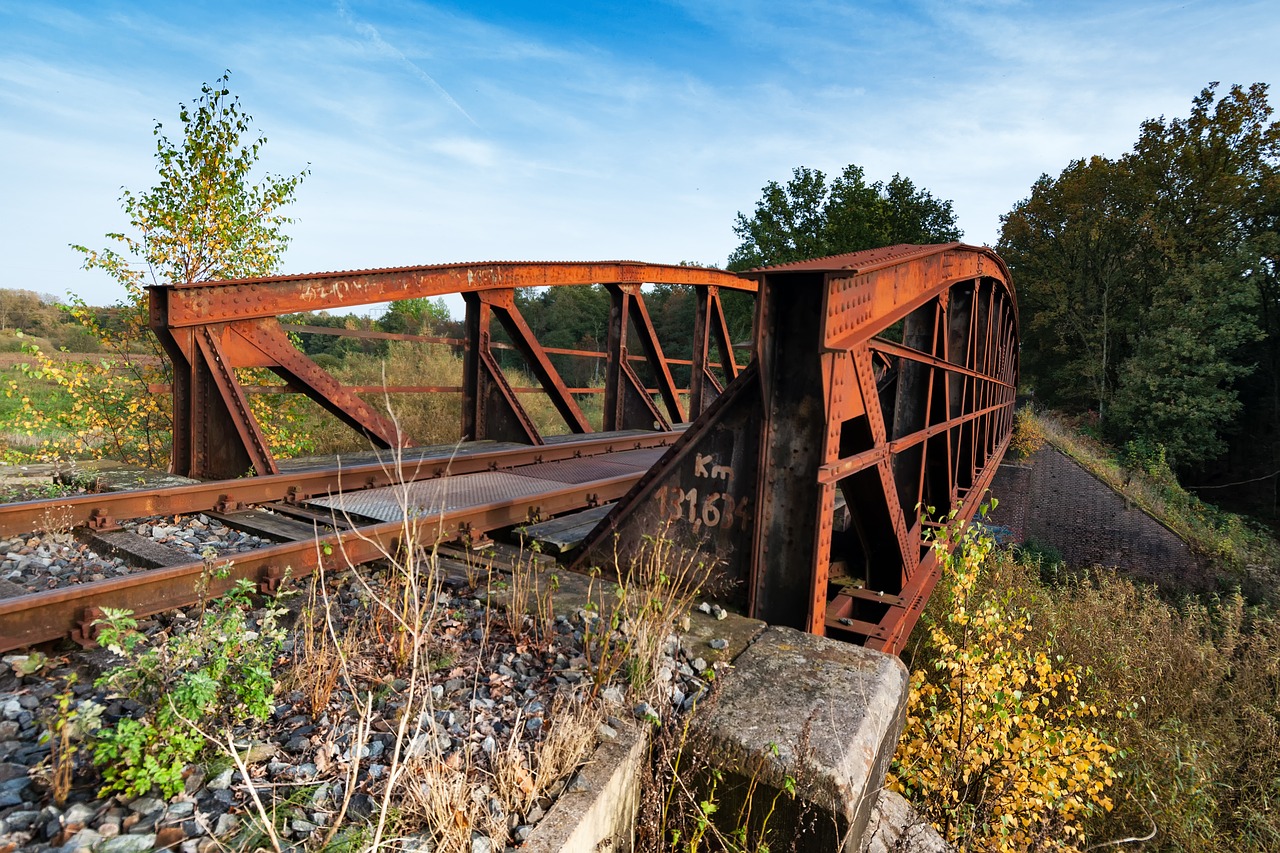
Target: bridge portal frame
[211, 329]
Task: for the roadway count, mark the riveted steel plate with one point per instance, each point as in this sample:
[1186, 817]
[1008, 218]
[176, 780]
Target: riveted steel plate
[441, 495]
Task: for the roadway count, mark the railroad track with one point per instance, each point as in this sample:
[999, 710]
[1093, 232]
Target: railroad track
[331, 517]
[881, 386]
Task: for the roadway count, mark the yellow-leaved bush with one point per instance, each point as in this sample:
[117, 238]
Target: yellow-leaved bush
[1000, 751]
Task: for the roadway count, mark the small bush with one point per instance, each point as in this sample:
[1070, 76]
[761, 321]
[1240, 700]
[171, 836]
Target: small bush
[1028, 437]
[1002, 748]
[216, 675]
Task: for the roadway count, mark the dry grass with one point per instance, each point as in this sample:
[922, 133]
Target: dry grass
[434, 418]
[447, 803]
[523, 777]
[640, 615]
[318, 651]
[1197, 690]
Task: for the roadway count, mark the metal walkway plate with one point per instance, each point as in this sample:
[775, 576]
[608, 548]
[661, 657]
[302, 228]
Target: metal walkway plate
[428, 497]
[590, 468]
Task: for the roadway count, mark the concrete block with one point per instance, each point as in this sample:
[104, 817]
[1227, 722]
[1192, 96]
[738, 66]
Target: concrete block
[599, 811]
[895, 827]
[826, 714]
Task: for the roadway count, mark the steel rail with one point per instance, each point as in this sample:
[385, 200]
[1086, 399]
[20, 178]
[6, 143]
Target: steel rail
[104, 510]
[43, 616]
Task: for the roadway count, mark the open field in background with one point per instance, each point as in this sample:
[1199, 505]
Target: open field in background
[432, 418]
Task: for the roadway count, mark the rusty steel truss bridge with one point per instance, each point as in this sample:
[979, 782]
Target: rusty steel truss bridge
[875, 384]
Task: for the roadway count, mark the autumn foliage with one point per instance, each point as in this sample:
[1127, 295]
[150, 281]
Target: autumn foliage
[1001, 749]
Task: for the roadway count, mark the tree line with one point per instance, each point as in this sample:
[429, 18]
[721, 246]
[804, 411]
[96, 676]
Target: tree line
[1148, 289]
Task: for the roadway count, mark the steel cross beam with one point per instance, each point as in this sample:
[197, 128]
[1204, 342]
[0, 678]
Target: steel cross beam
[883, 388]
[212, 329]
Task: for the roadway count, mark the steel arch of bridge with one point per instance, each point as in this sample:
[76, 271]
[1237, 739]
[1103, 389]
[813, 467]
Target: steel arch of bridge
[884, 383]
[880, 382]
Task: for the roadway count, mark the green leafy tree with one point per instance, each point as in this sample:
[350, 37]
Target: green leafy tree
[1075, 245]
[810, 217]
[204, 219]
[1147, 283]
[1210, 180]
[417, 316]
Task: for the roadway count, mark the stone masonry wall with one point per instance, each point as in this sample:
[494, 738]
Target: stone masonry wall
[1051, 500]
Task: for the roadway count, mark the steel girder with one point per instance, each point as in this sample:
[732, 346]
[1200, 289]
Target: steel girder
[883, 388]
[210, 329]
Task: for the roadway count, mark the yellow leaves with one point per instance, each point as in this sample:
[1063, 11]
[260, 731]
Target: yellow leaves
[992, 752]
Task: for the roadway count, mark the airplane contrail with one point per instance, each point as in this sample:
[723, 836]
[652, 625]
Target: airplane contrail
[371, 33]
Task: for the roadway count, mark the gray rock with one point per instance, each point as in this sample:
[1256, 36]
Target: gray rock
[195, 779]
[222, 781]
[320, 795]
[85, 839]
[180, 809]
[418, 746]
[146, 805]
[718, 644]
[302, 827]
[129, 844]
[78, 813]
[227, 824]
[481, 843]
[607, 732]
[20, 820]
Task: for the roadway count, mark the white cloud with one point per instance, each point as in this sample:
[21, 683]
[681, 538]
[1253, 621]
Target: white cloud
[437, 135]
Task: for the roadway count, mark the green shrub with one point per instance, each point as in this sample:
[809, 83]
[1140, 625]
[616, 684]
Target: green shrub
[216, 675]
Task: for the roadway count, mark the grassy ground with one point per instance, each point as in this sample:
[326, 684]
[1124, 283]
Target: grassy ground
[15, 384]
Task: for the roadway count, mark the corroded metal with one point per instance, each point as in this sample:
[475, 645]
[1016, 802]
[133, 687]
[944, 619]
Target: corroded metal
[211, 329]
[880, 387]
[882, 390]
[458, 496]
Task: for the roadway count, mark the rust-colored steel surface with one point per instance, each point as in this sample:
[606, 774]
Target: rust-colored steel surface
[879, 386]
[211, 329]
[448, 496]
[883, 387]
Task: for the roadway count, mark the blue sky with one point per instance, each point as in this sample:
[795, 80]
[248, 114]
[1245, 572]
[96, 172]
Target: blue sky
[452, 131]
